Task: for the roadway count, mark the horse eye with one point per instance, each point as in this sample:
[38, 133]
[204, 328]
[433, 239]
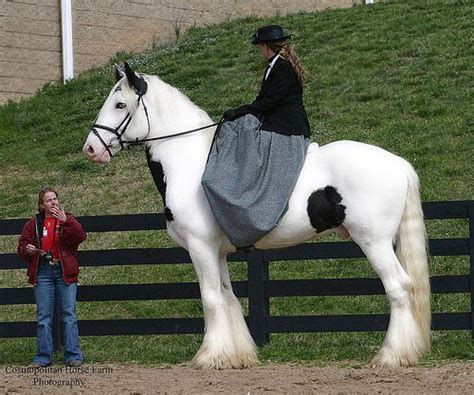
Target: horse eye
[120, 105]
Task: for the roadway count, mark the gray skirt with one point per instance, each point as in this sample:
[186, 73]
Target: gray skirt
[249, 177]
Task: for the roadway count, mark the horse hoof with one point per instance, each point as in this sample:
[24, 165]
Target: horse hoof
[382, 360]
[203, 360]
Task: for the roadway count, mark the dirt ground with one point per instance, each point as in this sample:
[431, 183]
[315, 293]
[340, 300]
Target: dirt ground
[454, 378]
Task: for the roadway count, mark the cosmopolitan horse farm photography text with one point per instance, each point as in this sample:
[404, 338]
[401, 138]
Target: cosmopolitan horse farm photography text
[364, 282]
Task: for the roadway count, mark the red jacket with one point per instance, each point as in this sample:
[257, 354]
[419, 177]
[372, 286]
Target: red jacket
[71, 235]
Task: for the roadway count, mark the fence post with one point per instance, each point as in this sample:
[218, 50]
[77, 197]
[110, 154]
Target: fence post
[258, 302]
[57, 329]
[470, 213]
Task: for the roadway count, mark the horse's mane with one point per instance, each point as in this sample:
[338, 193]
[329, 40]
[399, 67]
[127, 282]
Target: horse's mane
[172, 106]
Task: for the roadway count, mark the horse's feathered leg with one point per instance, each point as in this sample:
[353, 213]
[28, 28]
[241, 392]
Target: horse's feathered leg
[406, 280]
[245, 348]
[404, 342]
[218, 350]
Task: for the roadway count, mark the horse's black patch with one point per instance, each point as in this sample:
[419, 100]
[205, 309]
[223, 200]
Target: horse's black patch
[168, 214]
[159, 177]
[324, 209]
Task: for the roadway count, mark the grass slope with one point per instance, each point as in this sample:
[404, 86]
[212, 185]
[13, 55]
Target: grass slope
[397, 74]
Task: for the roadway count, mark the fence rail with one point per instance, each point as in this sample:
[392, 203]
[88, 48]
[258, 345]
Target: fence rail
[258, 288]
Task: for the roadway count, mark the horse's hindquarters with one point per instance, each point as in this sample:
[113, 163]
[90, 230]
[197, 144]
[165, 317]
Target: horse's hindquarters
[371, 183]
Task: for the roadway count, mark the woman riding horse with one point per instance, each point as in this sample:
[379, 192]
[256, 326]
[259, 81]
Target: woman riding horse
[255, 161]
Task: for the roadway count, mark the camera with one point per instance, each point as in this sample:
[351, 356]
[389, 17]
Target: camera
[48, 257]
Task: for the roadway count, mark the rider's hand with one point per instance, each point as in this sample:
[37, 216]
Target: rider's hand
[234, 113]
[230, 115]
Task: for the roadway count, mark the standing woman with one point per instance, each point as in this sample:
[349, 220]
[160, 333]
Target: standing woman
[259, 152]
[48, 245]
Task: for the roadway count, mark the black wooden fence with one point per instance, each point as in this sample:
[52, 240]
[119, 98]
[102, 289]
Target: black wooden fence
[258, 288]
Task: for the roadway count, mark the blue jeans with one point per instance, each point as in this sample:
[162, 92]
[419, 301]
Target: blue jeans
[50, 286]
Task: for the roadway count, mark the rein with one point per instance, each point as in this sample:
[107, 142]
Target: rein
[138, 142]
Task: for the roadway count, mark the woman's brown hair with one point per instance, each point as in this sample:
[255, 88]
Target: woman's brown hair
[286, 51]
[41, 194]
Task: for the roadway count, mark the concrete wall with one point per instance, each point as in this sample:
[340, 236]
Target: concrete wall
[30, 31]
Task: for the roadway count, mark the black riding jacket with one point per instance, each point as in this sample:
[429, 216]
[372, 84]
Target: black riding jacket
[280, 102]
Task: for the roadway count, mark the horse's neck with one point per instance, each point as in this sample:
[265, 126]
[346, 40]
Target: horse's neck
[182, 157]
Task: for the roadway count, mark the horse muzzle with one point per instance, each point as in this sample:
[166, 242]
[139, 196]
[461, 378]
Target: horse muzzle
[96, 151]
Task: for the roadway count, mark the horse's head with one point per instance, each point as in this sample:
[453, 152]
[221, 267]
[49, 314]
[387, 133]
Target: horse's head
[122, 119]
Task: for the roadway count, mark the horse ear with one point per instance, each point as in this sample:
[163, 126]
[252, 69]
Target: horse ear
[138, 83]
[119, 73]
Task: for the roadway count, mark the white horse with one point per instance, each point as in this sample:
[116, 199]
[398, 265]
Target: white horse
[345, 187]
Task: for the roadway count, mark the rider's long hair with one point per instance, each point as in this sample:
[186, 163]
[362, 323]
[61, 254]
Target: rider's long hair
[287, 51]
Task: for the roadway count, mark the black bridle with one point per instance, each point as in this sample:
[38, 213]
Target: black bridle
[115, 131]
[122, 127]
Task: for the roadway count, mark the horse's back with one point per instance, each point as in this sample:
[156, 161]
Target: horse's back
[354, 151]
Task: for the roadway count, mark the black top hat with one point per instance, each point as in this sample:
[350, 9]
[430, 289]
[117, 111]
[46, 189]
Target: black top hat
[269, 34]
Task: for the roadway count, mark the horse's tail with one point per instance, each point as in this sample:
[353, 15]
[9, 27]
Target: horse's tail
[411, 251]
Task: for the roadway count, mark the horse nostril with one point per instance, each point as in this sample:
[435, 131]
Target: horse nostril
[90, 150]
